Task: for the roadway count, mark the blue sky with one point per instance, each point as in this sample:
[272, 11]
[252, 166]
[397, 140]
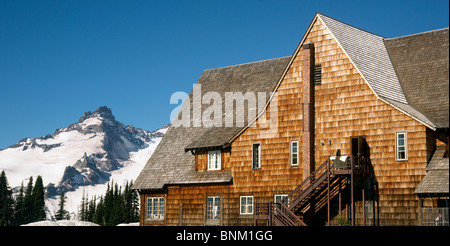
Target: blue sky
[59, 59]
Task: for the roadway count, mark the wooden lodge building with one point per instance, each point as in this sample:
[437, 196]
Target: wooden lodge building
[354, 130]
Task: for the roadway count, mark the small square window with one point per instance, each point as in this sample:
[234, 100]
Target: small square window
[246, 205]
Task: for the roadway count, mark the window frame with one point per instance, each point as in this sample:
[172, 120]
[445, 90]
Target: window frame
[215, 203]
[258, 164]
[292, 153]
[160, 211]
[217, 158]
[281, 197]
[398, 146]
[244, 208]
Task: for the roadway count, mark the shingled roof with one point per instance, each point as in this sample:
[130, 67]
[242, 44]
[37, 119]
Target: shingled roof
[171, 162]
[436, 181]
[422, 65]
[409, 73]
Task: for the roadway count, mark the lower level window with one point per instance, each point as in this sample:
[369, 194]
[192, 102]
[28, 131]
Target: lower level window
[155, 208]
[246, 205]
[213, 208]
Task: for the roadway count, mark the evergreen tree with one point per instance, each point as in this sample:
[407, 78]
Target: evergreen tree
[108, 205]
[134, 205]
[91, 210]
[99, 212]
[6, 201]
[18, 211]
[28, 203]
[62, 214]
[38, 200]
[82, 209]
[115, 207]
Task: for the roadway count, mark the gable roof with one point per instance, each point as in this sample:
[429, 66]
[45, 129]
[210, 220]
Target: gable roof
[369, 54]
[171, 163]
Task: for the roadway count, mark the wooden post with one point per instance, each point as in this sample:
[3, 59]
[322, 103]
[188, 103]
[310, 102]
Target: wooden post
[364, 207]
[352, 208]
[328, 178]
[420, 211]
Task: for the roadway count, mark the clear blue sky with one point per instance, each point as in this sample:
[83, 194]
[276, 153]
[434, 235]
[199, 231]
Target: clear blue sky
[59, 59]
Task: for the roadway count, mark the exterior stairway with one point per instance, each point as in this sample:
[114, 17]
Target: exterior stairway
[319, 187]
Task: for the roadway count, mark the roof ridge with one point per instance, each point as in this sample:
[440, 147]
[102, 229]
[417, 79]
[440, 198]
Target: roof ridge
[321, 14]
[247, 63]
[416, 34]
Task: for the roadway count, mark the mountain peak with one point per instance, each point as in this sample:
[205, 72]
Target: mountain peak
[102, 111]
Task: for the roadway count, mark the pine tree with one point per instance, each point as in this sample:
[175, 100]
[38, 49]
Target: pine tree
[91, 209]
[6, 201]
[108, 205]
[99, 212]
[28, 203]
[62, 214]
[18, 211]
[134, 205]
[82, 210]
[38, 200]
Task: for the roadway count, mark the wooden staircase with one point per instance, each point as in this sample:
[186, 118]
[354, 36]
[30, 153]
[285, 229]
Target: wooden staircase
[318, 188]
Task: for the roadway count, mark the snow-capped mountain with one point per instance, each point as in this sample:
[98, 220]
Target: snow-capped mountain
[82, 157]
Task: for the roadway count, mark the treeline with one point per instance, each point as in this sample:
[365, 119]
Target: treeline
[112, 208]
[28, 206]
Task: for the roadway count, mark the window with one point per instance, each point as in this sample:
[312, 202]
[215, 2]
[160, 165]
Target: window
[401, 146]
[294, 153]
[214, 160]
[318, 74]
[155, 208]
[213, 209]
[256, 156]
[246, 205]
[278, 198]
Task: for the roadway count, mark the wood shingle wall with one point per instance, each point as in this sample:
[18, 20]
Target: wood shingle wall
[345, 107]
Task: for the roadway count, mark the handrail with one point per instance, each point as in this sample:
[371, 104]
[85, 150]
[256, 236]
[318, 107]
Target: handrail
[286, 215]
[284, 211]
[292, 198]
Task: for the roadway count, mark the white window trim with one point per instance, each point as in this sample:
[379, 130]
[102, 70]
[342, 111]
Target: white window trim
[246, 207]
[217, 155]
[259, 156]
[152, 216]
[292, 153]
[397, 146]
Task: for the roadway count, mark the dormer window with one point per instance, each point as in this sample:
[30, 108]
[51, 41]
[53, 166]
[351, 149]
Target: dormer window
[214, 157]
